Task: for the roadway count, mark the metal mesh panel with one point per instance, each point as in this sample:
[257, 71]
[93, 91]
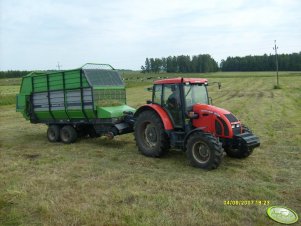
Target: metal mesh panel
[97, 77]
[109, 97]
[97, 66]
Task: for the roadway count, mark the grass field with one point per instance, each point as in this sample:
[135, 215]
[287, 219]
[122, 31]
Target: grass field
[107, 182]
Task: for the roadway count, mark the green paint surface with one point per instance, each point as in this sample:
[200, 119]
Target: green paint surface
[108, 101]
[282, 214]
[113, 112]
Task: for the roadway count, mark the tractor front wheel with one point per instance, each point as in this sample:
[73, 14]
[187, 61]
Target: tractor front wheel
[150, 136]
[204, 151]
[243, 151]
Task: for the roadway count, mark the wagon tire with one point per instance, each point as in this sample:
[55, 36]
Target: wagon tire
[53, 133]
[68, 134]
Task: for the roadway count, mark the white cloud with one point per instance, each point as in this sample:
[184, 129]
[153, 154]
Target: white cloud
[36, 34]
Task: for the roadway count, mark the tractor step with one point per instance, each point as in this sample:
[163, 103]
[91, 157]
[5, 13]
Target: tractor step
[177, 139]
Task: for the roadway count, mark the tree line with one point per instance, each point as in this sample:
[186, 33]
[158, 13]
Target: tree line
[13, 74]
[182, 64]
[286, 62]
[205, 63]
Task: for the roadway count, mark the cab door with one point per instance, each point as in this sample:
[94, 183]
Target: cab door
[173, 104]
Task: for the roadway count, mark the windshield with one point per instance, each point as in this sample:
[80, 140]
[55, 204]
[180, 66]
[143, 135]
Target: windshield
[195, 94]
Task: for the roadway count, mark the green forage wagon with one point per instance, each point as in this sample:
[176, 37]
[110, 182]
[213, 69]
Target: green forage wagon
[90, 100]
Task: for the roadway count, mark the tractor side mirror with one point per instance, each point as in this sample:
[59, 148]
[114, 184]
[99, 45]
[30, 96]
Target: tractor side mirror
[219, 84]
[149, 89]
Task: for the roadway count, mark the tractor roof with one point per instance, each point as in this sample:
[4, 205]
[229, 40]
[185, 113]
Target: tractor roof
[181, 80]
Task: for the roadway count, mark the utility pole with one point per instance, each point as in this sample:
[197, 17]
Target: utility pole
[58, 66]
[275, 48]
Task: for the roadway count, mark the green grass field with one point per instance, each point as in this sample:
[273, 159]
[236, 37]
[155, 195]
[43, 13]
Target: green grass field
[107, 182]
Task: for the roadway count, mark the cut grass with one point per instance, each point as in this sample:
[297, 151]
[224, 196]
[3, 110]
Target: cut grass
[10, 81]
[107, 182]
[7, 99]
[8, 94]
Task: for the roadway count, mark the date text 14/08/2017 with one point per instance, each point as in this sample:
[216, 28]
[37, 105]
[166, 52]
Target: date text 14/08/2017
[246, 202]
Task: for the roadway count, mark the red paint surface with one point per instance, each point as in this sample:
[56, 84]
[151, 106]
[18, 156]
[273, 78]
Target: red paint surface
[162, 113]
[180, 80]
[207, 116]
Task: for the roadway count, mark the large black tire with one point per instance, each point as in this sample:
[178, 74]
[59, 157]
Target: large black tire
[204, 151]
[68, 134]
[53, 133]
[150, 135]
[241, 152]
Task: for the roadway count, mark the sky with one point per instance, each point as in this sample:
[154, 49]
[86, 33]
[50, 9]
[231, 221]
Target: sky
[37, 34]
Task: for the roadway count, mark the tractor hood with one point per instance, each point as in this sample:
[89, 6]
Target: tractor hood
[209, 109]
[216, 120]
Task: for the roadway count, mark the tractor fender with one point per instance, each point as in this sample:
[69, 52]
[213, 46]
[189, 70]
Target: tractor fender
[199, 129]
[161, 113]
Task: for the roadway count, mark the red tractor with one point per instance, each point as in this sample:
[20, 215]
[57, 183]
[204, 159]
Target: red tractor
[179, 116]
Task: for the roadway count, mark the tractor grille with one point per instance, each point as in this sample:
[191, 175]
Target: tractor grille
[236, 131]
[218, 128]
[226, 129]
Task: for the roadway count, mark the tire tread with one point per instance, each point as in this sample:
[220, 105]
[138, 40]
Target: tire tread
[213, 143]
[163, 139]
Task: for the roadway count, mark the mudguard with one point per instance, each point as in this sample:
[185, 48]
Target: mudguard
[160, 111]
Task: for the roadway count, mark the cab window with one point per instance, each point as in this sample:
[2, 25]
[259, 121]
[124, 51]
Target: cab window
[195, 94]
[157, 94]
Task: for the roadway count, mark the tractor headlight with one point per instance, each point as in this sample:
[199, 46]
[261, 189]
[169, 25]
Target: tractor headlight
[233, 126]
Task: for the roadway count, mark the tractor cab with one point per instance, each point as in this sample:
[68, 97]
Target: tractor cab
[178, 96]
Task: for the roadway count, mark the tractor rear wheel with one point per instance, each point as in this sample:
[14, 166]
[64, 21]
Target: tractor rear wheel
[68, 134]
[53, 133]
[150, 136]
[204, 151]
